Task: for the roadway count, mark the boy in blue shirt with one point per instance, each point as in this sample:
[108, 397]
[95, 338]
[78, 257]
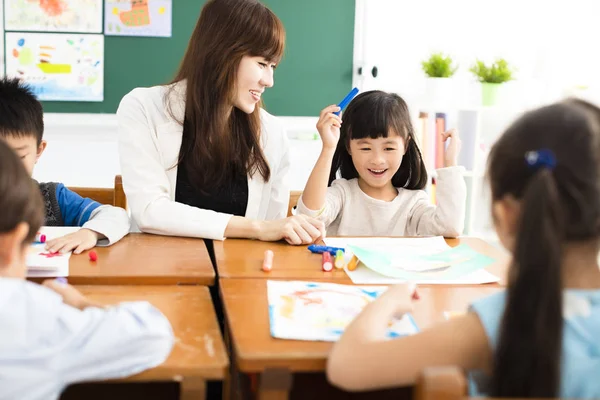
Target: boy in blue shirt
[22, 127]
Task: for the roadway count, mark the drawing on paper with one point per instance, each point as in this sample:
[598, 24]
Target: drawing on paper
[321, 311]
[82, 16]
[138, 18]
[408, 264]
[59, 67]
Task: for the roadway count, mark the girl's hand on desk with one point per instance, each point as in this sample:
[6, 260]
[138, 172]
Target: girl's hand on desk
[297, 230]
[83, 239]
[453, 149]
[329, 127]
[70, 295]
[400, 297]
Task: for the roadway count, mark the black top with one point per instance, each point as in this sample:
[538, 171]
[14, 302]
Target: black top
[231, 198]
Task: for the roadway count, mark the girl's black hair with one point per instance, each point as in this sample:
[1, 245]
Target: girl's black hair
[374, 114]
[558, 204]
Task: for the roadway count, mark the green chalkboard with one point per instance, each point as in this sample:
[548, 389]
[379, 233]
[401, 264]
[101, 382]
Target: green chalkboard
[316, 70]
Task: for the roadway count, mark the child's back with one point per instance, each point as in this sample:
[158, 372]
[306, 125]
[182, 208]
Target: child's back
[51, 335]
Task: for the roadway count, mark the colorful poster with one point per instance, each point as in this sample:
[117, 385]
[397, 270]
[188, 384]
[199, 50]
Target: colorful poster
[321, 311]
[138, 18]
[83, 16]
[58, 67]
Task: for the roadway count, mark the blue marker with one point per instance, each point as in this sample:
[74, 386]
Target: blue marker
[315, 248]
[346, 100]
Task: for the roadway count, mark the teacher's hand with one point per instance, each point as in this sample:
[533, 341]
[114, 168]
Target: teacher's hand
[297, 230]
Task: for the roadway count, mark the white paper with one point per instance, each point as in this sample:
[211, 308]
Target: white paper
[365, 276]
[414, 246]
[41, 263]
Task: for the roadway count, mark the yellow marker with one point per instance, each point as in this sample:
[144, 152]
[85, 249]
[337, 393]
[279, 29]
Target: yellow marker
[339, 259]
[353, 264]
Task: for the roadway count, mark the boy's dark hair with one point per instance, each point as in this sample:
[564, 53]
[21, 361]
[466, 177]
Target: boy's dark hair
[20, 197]
[559, 203]
[21, 114]
[373, 114]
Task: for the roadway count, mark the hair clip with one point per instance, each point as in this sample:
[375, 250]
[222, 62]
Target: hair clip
[543, 158]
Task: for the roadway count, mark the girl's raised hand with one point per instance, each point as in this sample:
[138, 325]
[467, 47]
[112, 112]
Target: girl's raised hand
[453, 149]
[329, 126]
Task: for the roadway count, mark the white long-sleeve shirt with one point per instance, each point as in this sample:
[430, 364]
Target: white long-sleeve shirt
[46, 345]
[149, 143]
[348, 211]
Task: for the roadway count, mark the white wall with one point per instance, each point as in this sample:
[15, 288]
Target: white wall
[82, 149]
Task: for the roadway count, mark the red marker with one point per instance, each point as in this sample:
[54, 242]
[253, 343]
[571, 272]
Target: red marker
[93, 255]
[327, 263]
[40, 238]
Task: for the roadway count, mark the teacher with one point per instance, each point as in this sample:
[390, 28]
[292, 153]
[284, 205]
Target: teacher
[200, 157]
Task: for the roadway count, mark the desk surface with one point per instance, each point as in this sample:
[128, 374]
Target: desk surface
[240, 258]
[199, 350]
[246, 308]
[143, 259]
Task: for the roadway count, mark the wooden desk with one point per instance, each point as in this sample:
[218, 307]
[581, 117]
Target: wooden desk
[240, 258]
[143, 259]
[198, 353]
[246, 309]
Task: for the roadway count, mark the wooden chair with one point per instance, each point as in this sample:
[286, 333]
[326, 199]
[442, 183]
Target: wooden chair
[114, 196]
[294, 196]
[444, 383]
[441, 383]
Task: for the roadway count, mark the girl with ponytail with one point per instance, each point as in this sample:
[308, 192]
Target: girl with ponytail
[540, 337]
[382, 174]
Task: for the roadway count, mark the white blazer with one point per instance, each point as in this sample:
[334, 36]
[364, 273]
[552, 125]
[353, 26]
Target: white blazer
[149, 143]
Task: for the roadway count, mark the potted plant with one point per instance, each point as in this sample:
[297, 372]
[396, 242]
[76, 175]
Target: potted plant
[439, 68]
[491, 78]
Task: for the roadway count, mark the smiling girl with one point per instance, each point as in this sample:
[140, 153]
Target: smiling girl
[380, 191]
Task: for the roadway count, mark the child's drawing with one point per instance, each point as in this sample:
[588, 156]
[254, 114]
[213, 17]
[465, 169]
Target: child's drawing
[82, 16]
[138, 18]
[321, 311]
[60, 67]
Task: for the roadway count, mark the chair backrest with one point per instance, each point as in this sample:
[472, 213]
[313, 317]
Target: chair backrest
[294, 196]
[112, 196]
[441, 383]
[445, 383]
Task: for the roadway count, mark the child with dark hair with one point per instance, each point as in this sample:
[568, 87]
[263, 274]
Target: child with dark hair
[22, 127]
[380, 191]
[539, 338]
[52, 336]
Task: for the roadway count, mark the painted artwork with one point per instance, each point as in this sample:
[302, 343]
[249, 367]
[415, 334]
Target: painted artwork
[138, 18]
[401, 263]
[321, 311]
[58, 67]
[82, 16]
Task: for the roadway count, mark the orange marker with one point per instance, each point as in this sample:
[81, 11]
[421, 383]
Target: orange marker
[268, 262]
[353, 264]
[327, 264]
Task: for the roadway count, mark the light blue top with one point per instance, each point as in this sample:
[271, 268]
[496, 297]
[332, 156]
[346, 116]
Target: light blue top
[580, 367]
[46, 345]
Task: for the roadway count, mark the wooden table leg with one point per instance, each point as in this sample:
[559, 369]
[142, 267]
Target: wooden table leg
[192, 389]
[275, 384]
